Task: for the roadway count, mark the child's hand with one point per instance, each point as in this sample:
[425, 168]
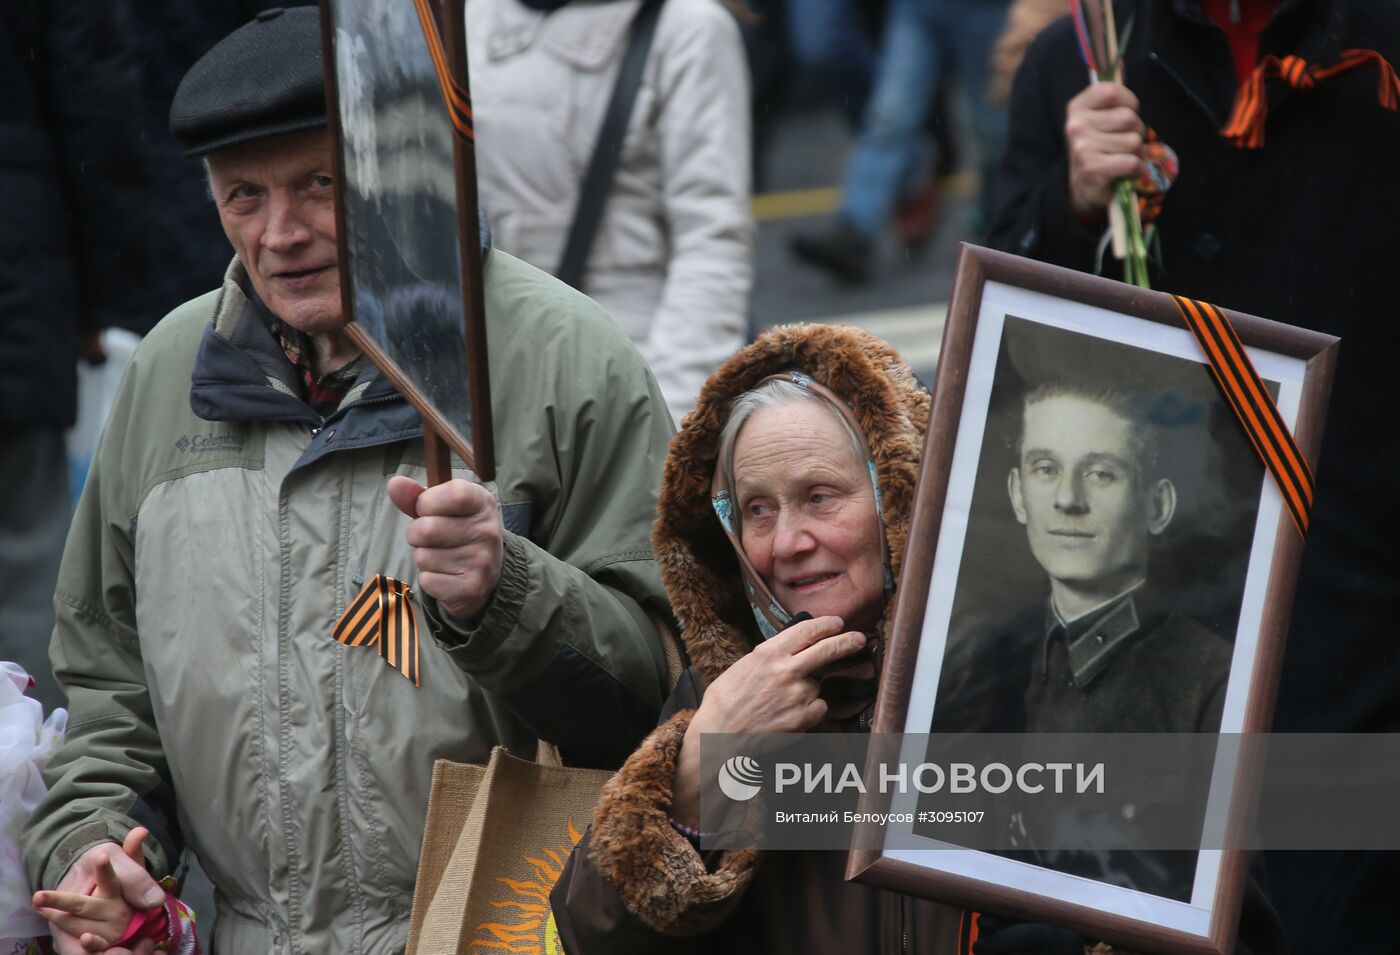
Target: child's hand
[99, 919]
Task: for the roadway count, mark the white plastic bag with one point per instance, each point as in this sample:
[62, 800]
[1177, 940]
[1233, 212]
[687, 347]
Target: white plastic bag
[26, 742]
[97, 387]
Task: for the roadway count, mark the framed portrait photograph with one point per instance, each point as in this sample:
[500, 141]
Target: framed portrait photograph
[406, 211]
[1100, 545]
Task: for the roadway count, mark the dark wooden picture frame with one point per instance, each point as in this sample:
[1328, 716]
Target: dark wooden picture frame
[441, 436]
[976, 268]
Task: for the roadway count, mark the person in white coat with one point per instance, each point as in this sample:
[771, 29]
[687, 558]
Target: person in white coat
[673, 257]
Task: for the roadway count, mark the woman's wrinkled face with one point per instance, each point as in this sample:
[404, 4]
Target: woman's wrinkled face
[808, 521]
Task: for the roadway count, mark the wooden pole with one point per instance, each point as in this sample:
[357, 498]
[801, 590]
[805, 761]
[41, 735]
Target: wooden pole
[454, 35]
[438, 456]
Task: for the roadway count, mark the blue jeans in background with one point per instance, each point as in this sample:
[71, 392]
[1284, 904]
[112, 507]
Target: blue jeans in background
[921, 38]
[830, 49]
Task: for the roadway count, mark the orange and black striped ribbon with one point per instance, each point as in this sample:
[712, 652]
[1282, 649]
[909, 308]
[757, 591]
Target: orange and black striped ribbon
[1245, 127]
[967, 932]
[1246, 395]
[381, 616]
[459, 103]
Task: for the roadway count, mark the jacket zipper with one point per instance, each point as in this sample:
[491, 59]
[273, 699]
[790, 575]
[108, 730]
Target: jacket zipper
[367, 401]
[337, 415]
[316, 429]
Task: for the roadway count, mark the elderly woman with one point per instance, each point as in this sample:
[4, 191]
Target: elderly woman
[772, 506]
[787, 493]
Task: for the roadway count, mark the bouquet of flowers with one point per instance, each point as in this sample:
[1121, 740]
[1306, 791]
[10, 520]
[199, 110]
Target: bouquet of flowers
[1101, 45]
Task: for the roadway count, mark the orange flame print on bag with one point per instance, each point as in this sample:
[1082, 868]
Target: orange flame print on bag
[530, 926]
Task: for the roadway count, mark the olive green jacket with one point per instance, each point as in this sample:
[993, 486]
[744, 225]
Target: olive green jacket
[223, 530]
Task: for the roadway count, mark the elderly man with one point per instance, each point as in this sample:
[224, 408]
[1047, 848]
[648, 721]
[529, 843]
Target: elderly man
[238, 504]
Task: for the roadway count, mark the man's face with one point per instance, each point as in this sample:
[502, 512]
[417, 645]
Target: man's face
[276, 203]
[1079, 492]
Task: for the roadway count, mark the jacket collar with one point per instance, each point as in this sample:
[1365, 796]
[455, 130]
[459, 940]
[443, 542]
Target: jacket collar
[1191, 50]
[578, 34]
[241, 374]
[1097, 639]
[1094, 640]
[1291, 17]
[587, 35]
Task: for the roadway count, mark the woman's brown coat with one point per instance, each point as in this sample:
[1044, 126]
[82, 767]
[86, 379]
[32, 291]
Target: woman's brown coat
[635, 883]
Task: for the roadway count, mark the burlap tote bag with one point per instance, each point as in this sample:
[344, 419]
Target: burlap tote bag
[495, 842]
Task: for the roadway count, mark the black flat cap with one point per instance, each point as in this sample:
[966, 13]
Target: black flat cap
[263, 79]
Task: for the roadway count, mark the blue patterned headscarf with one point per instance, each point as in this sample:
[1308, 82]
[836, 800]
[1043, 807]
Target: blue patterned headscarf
[772, 616]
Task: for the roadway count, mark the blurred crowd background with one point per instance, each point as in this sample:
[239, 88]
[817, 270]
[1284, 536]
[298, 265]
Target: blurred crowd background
[810, 160]
[785, 160]
[869, 146]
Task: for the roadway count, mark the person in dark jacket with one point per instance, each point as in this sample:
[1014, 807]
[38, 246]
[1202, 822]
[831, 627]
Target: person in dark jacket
[1298, 230]
[168, 36]
[72, 261]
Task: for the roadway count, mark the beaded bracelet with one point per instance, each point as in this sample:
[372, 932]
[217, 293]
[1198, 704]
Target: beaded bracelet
[693, 835]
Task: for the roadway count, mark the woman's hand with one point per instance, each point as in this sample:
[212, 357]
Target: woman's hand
[773, 689]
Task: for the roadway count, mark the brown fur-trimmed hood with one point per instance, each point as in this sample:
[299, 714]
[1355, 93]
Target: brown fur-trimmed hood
[697, 563]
